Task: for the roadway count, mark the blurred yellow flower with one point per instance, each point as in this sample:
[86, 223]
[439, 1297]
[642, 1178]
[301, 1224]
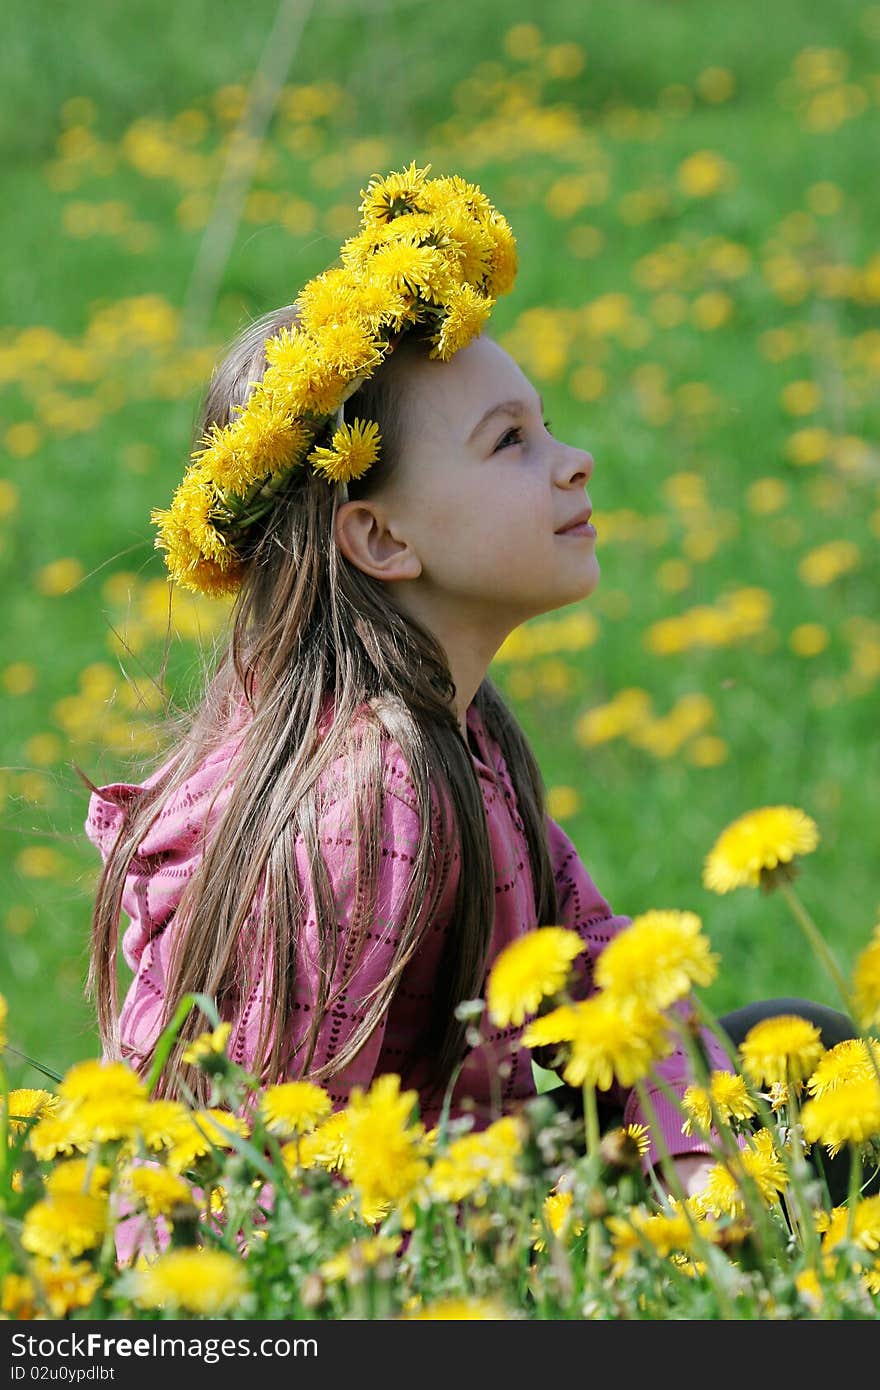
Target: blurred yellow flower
[59, 577]
[207, 1046]
[201, 1281]
[825, 563]
[702, 174]
[385, 1153]
[866, 982]
[65, 1225]
[754, 845]
[848, 1114]
[657, 958]
[785, 1048]
[66, 1285]
[201, 1132]
[461, 1310]
[528, 970]
[475, 1162]
[161, 1192]
[360, 1255]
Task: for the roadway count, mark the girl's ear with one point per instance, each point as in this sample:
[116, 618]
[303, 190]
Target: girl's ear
[365, 539]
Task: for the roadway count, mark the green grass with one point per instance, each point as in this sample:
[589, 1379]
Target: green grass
[797, 731]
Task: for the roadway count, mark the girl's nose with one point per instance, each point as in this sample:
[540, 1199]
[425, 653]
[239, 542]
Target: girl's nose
[582, 467]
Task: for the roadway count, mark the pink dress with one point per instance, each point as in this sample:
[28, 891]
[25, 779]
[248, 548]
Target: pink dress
[169, 852]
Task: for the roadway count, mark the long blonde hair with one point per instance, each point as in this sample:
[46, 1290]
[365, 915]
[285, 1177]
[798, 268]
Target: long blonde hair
[306, 624]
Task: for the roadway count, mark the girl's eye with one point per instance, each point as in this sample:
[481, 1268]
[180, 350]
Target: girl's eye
[517, 431]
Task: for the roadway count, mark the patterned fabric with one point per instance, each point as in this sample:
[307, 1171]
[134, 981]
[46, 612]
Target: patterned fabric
[497, 1073]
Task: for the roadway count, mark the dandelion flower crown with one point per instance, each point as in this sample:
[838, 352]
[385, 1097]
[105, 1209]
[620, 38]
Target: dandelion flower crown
[433, 252]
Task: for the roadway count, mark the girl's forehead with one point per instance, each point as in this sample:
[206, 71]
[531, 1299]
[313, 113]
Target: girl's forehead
[452, 396]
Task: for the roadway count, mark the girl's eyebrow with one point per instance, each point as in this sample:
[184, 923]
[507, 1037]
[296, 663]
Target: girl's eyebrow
[504, 408]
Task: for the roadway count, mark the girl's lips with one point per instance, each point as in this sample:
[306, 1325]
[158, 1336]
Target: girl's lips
[585, 528]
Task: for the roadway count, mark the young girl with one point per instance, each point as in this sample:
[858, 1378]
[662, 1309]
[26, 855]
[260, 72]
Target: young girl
[352, 826]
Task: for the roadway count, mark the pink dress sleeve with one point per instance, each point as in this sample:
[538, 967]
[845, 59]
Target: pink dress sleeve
[583, 909]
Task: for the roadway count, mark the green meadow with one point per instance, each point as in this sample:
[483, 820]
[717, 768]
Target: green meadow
[698, 301]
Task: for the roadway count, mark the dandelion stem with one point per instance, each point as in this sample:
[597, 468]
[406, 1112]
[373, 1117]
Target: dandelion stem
[668, 1169]
[855, 1183]
[817, 941]
[591, 1122]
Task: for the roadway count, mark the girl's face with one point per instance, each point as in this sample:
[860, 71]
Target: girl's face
[481, 494]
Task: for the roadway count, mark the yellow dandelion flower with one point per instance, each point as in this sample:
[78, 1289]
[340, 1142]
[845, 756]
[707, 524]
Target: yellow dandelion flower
[466, 312]
[756, 844]
[360, 1255]
[639, 1136]
[413, 270]
[386, 198]
[202, 1132]
[18, 1296]
[56, 1136]
[377, 305]
[107, 1118]
[65, 1285]
[720, 1194]
[475, 1162]
[850, 1060]
[763, 1164]
[505, 259]
[731, 1097]
[460, 1310]
[327, 296]
[865, 1226]
[558, 1212]
[324, 1147]
[528, 971]
[657, 958]
[668, 1232]
[290, 362]
[205, 1282]
[354, 448]
[161, 1121]
[207, 1045]
[784, 1048]
[866, 983]
[349, 348]
[810, 1290]
[160, 1191]
[66, 1224]
[27, 1104]
[607, 1039]
[385, 1148]
[267, 439]
[848, 1114]
[94, 1080]
[221, 460]
[471, 244]
[294, 1107]
[626, 1242]
[79, 1175]
[698, 1110]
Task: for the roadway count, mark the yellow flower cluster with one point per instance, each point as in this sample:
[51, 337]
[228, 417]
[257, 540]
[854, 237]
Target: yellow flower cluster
[620, 1031]
[433, 252]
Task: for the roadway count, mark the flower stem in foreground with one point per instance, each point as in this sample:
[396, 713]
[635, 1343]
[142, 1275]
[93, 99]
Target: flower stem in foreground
[591, 1123]
[817, 941]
